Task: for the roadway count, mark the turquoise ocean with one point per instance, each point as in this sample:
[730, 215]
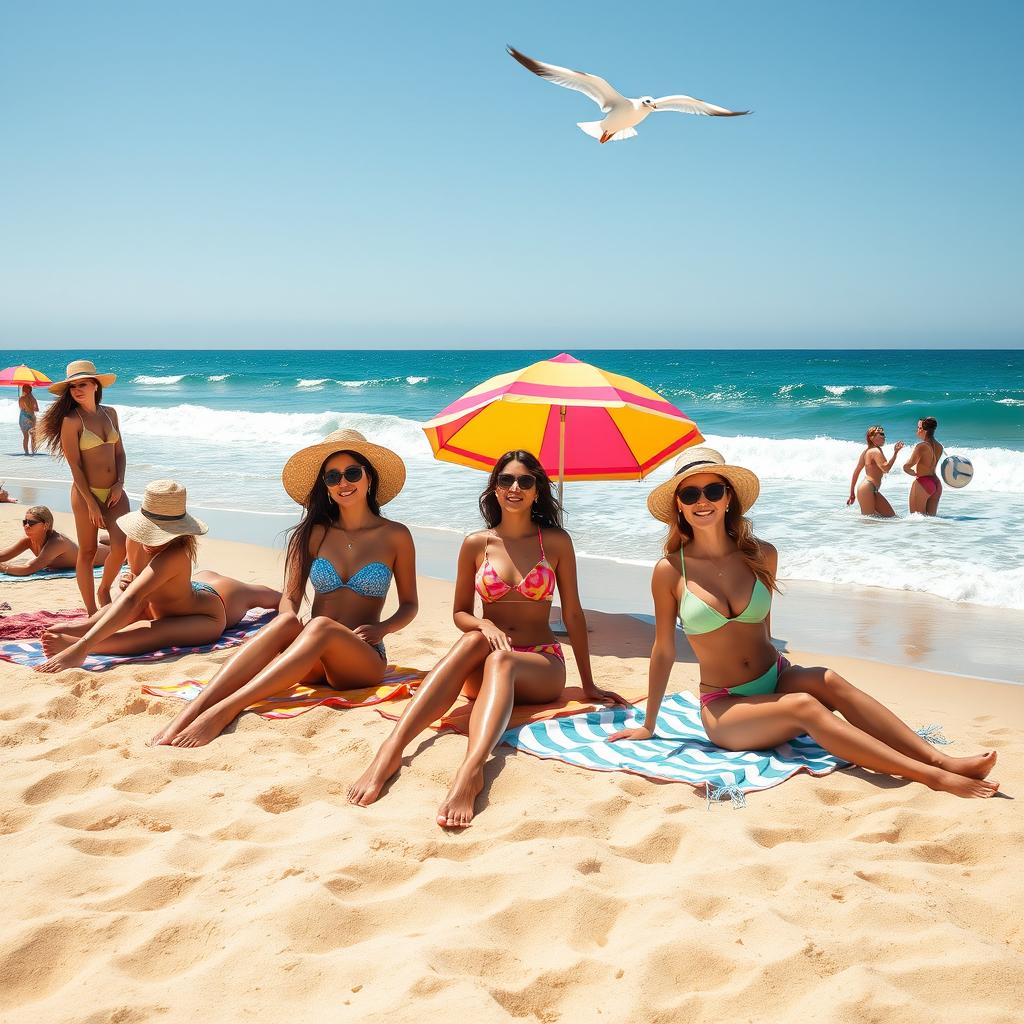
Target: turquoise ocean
[224, 422]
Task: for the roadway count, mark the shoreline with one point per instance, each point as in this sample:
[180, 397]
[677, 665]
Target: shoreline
[874, 624]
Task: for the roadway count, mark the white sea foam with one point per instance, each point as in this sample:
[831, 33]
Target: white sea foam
[839, 389]
[355, 383]
[1009, 401]
[315, 382]
[416, 380]
[787, 389]
[171, 379]
[218, 376]
[877, 389]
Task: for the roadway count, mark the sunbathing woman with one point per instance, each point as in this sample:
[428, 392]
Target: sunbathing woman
[349, 552]
[872, 461]
[50, 549]
[161, 606]
[923, 464]
[722, 592]
[509, 656]
[77, 428]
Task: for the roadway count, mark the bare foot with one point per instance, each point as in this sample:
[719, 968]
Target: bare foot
[54, 643]
[207, 726]
[977, 767]
[959, 785]
[166, 735]
[71, 658]
[367, 787]
[460, 803]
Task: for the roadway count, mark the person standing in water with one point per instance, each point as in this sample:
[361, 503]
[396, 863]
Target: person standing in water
[923, 464]
[872, 461]
[28, 406]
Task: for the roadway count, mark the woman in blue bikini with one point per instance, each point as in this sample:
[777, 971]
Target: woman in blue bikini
[350, 553]
[162, 605]
[722, 593]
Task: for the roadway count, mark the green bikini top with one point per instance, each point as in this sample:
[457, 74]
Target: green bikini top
[697, 616]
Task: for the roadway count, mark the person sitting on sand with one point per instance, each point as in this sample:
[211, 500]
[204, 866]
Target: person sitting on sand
[50, 549]
[872, 461]
[85, 434]
[509, 655]
[722, 593]
[923, 464]
[5, 498]
[161, 606]
[28, 406]
[350, 553]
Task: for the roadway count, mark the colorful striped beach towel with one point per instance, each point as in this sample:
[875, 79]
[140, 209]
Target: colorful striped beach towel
[680, 751]
[48, 574]
[399, 682]
[29, 652]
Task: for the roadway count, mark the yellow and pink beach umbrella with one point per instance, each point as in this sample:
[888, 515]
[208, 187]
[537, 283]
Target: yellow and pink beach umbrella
[582, 422]
[17, 376]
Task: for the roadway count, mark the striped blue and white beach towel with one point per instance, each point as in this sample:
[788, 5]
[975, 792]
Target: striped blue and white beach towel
[47, 574]
[680, 751]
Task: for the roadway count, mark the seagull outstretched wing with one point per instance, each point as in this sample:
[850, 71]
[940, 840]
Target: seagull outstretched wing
[590, 85]
[688, 105]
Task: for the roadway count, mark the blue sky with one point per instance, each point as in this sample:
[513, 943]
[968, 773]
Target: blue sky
[318, 174]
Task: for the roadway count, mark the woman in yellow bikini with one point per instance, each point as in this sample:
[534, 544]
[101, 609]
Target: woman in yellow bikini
[718, 579]
[508, 655]
[85, 434]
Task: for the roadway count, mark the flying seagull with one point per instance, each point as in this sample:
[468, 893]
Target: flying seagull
[623, 113]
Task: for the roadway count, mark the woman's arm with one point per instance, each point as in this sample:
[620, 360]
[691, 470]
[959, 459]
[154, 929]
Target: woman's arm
[120, 462]
[896, 449]
[771, 556]
[853, 482]
[573, 617]
[15, 549]
[910, 466]
[405, 584]
[73, 456]
[663, 653]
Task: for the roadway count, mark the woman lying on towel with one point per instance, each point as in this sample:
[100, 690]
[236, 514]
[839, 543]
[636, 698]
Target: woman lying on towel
[50, 549]
[722, 592]
[509, 655]
[350, 553]
[162, 606]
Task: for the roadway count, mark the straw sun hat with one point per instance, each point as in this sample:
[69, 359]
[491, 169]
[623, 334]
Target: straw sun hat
[81, 369]
[162, 517]
[745, 486]
[301, 470]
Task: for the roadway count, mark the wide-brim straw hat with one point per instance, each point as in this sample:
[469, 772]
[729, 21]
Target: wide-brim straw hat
[163, 516]
[301, 470]
[81, 369]
[744, 484]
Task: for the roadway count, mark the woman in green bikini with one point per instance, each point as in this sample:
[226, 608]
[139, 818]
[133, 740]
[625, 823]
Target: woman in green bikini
[722, 594]
[85, 434]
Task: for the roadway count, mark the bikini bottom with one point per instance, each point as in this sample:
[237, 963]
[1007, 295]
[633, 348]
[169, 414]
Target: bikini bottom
[929, 483]
[767, 683]
[102, 493]
[555, 650]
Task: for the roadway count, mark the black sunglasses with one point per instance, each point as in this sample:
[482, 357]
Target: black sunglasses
[527, 481]
[353, 474]
[691, 495]
[31, 522]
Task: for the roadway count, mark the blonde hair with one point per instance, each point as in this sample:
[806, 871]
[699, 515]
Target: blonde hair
[739, 528]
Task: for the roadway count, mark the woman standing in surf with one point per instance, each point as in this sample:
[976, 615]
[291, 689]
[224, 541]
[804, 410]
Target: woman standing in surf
[872, 461]
[923, 464]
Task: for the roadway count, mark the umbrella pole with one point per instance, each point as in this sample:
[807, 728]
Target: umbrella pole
[557, 625]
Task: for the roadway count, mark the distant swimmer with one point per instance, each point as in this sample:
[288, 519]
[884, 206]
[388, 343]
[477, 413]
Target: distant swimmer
[623, 113]
[872, 461]
[922, 464]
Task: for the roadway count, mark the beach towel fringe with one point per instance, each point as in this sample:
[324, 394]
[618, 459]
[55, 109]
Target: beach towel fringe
[933, 734]
[728, 790]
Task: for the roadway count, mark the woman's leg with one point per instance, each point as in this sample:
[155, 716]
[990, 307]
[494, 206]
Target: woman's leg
[918, 498]
[239, 597]
[882, 507]
[758, 723]
[118, 549]
[253, 656]
[24, 439]
[866, 495]
[87, 547]
[510, 678]
[868, 715]
[434, 696]
[325, 649]
[932, 507]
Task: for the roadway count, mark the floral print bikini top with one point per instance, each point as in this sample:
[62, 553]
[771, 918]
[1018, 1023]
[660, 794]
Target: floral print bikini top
[537, 585]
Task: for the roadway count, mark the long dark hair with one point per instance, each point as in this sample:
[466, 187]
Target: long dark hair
[322, 510]
[48, 430]
[739, 528]
[546, 509]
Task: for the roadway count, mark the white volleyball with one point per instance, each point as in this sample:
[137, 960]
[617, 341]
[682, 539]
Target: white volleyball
[956, 471]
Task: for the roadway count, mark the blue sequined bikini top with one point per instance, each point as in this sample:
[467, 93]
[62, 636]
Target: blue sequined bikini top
[372, 580]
